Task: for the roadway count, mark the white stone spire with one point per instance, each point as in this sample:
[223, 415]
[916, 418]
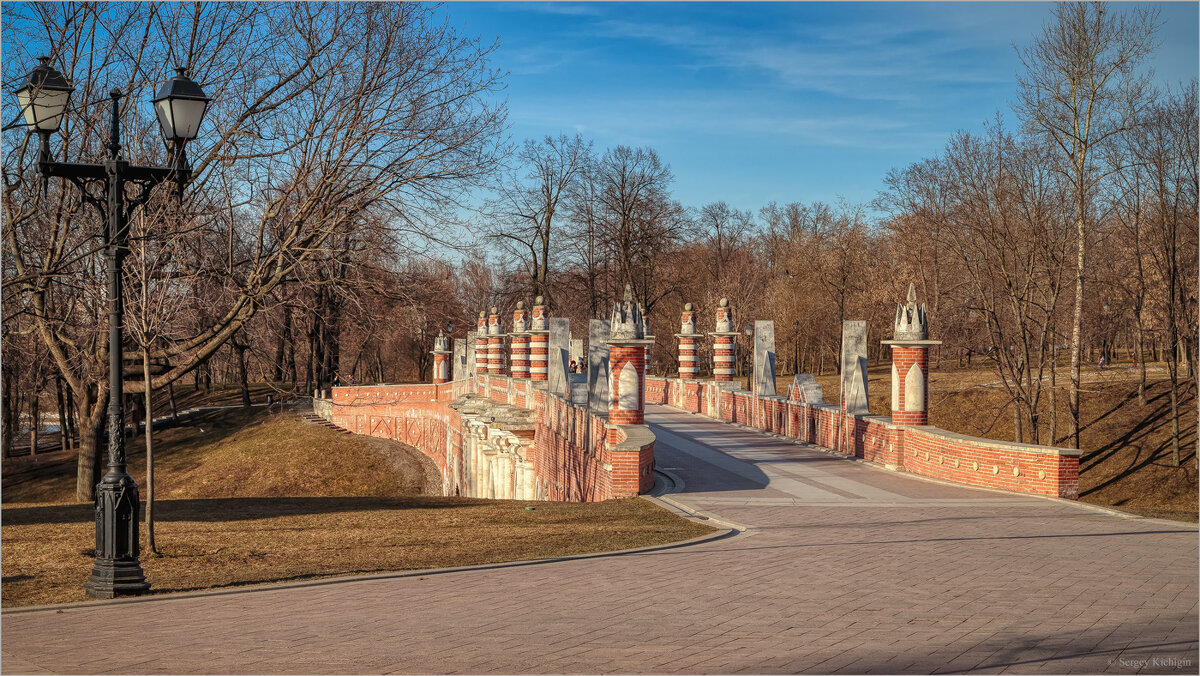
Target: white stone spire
[911, 323]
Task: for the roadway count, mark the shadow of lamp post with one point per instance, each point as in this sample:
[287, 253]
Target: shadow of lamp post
[180, 106]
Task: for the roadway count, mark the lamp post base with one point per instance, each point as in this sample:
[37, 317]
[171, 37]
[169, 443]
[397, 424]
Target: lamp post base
[113, 578]
[117, 570]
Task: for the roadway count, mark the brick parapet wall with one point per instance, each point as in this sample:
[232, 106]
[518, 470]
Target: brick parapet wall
[924, 450]
[475, 431]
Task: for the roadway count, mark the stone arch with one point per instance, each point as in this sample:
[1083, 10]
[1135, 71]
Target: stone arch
[895, 388]
[914, 389]
[628, 396]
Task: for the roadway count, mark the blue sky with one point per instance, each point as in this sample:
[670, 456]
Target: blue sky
[754, 102]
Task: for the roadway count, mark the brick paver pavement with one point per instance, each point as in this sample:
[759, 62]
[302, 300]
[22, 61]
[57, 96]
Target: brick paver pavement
[844, 568]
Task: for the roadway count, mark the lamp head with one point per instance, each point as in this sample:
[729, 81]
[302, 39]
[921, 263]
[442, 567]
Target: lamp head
[180, 105]
[43, 97]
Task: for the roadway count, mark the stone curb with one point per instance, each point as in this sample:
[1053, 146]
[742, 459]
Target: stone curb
[658, 496]
[345, 579]
[883, 468]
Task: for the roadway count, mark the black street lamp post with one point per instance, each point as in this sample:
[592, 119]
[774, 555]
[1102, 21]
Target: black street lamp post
[180, 106]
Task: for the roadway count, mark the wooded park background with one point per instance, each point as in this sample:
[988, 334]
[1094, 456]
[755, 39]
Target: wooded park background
[356, 192]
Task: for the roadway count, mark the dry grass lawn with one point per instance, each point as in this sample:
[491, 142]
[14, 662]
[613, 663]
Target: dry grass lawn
[247, 497]
[225, 542]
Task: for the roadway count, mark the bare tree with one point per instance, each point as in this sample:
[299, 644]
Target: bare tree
[531, 197]
[322, 113]
[1081, 89]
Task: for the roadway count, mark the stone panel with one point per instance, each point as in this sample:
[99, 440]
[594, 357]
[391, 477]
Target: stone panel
[472, 356]
[764, 358]
[597, 371]
[854, 367]
[560, 344]
[458, 364]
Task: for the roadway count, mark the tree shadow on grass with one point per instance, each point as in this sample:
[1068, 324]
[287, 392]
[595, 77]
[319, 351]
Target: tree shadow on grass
[234, 509]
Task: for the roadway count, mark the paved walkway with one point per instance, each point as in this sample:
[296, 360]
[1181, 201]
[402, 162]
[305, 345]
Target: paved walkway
[844, 569]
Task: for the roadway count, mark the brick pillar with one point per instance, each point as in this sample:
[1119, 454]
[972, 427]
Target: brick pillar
[520, 342]
[723, 343]
[627, 398]
[495, 344]
[482, 362]
[539, 341]
[910, 363]
[627, 345]
[441, 359]
[910, 384]
[688, 368]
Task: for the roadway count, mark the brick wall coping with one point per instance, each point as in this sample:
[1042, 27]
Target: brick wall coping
[880, 420]
[990, 443]
[637, 437]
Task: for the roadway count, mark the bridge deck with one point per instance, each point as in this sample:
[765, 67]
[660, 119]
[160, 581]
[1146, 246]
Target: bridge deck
[842, 568]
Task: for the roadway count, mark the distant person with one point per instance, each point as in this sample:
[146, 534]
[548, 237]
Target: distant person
[337, 380]
[1103, 360]
[574, 367]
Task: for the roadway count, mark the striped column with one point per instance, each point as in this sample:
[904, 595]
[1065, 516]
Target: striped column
[688, 368]
[482, 362]
[495, 344]
[539, 342]
[520, 342]
[723, 343]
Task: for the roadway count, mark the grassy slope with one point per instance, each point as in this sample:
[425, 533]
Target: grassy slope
[249, 496]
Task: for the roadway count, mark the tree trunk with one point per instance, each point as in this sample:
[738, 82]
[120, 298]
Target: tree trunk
[1018, 432]
[281, 346]
[174, 407]
[62, 413]
[243, 381]
[1076, 331]
[1053, 388]
[72, 419]
[1141, 361]
[91, 426]
[149, 455]
[291, 359]
[35, 415]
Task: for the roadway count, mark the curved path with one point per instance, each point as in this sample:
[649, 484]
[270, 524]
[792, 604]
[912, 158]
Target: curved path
[843, 568]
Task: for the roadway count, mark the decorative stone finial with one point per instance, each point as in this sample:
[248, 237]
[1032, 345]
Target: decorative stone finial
[494, 309]
[687, 320]
[483, 314]
[911, 322]
[724, 317]
[441, 343]
[627, 322]
[539, 320]
[520, 305]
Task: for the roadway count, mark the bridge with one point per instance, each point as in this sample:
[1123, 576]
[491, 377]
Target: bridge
[826, 564]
